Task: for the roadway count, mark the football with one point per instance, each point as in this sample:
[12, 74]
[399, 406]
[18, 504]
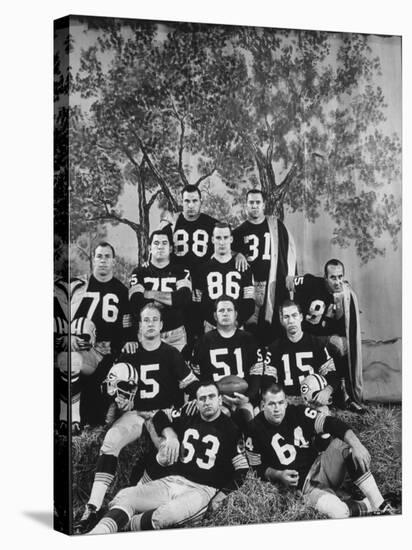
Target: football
[230, 384]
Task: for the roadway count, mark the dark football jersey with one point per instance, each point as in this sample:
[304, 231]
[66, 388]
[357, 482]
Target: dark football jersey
[193, 241]
[215, 357]
[107, 305]
[163, 377]
[317, 305]
[217, 278]
[286, 446]
[210, 452]
[172, 278]
[254, 242]
[288, 363]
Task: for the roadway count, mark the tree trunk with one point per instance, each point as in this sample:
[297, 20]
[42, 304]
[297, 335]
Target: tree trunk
[143, 234]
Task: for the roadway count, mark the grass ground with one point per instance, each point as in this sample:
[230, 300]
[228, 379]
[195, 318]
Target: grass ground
[257, 501]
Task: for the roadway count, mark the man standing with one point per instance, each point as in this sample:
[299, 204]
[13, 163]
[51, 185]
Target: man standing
[101, 324]
[270, 250]
[162, 377]
[210, 460]
[167, 284]
[280, 448]
[219, 276]
[296, 354]
[228, 350]
[330, 309]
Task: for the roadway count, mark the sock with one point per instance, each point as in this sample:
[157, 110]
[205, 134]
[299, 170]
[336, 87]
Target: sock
[113, 521]
[367, 485]
[75, 397]
[358, 508]
[63, 410]
[105, 470]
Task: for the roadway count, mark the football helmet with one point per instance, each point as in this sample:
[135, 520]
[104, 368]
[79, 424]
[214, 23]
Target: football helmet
[121, 381]
[311, 386]
[85, 329]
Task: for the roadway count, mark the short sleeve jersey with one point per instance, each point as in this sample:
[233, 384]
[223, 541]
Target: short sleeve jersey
[107, 305]
[254, 242]
[163, 376]
[172, 278]
[193, 241]
[210, 452]
[215, 357]
[288, 363]
[217, 278]
[317, 305]
[285, 446]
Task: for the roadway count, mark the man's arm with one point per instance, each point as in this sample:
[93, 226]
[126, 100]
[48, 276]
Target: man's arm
[289, 478]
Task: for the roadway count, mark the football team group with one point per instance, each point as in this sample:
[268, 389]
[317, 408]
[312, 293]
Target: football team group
[225, 360]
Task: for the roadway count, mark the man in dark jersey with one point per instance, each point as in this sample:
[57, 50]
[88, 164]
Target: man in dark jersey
[163, 377]
[100, 323]
[296, 354]
[210, 459]
[219, 276]
[229, 350]
[269, 248]
[279, 446]
[330, 309]
[166, 283]
[193, 247]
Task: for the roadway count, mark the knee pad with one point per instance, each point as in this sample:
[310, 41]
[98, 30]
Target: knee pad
[332, 506]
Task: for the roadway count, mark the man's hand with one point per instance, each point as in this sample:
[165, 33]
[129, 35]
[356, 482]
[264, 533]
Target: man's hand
[171, 447]
[130, 347]
[289, 478]
[236, 401]
[324, 397]
[361, 456]
[241, 263]
[290, 285]
[339, 309]
[123, 404]
[338, 344]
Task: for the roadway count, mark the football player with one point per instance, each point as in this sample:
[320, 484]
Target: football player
[292, 357]
[219, 276]
[268, 247]
[101, 324]
[163, 377]
[209, 460]
[167, 284]
[229, 350]
[330, 309]
[279, 447]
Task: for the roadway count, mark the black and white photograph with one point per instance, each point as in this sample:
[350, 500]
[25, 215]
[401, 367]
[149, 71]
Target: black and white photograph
[228, 282]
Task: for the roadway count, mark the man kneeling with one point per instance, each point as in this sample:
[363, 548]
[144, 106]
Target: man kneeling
[280, 447]
[210, 459]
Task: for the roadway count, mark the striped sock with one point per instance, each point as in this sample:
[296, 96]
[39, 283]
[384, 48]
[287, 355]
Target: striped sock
[105, 471]
[358, 508]
[367, 485]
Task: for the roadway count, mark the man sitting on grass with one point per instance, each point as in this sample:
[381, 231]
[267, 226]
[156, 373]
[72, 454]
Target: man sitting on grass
[279, 447]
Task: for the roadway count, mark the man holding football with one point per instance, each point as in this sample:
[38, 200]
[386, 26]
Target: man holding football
[230, 351]
[330, 310]
[162, 376]
[209, 460]
[280, 448]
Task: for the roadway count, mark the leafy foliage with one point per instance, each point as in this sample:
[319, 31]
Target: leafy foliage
[298, 113]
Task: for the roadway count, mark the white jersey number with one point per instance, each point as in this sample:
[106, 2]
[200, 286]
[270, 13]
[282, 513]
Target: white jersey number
[208, 461]
[253, 242]
[300, 357]
[217, 286]
[152, 384]
[200, 242]
[110, 311]
[224, 367]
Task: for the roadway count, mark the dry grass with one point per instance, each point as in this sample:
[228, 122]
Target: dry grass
[257, 501]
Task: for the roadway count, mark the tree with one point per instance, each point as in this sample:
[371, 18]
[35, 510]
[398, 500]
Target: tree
[298, 113]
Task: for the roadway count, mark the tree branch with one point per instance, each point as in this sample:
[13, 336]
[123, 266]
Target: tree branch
[152, 199]
[203, 178]
[182, 136]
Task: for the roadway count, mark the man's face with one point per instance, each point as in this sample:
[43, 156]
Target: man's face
[291, 319]
[222, 240]
[191, 205]
[334, 278]
[103, 261]
[255, 207]
[274, 407]
[160, 248]
[150, 324]
[208, 402]
[225, 314]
